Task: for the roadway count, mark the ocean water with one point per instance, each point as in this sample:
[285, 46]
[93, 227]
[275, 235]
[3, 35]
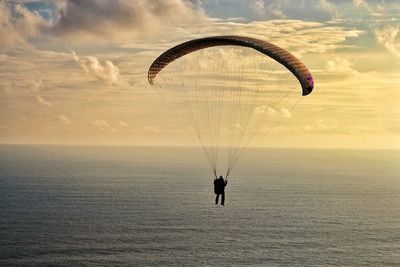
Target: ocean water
[138, 206]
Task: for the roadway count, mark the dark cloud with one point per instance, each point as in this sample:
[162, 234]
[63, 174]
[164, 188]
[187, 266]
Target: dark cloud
[104, 18]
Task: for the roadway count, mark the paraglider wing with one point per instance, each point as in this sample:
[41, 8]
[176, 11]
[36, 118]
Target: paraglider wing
[282, 56]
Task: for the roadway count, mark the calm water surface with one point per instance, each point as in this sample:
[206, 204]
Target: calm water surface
[105, 206]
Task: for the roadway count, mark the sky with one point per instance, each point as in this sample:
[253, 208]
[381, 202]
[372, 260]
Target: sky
[75, 72]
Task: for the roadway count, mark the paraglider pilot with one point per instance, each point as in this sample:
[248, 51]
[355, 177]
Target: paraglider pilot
[219, 189]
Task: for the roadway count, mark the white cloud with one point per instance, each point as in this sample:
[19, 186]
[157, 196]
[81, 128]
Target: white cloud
[363, 4]
[388, 37]
[103, 125]
[271, 112]
[258, 7]
[297, 36]
[329, 8]
[18, 24]
[286, 113]
[275, 9]
[106, 71]
[340, 65]
[124, 124]
[260, 109]
[43, 102]
[308, 9]
[323, 128]
[64, 119]
[358, 3]
[151, 128]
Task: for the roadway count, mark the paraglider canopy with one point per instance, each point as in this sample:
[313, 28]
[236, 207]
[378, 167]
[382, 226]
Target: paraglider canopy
[229, 94]
[279, 54]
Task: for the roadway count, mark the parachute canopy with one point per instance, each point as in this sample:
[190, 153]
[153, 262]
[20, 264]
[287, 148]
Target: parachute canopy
[279, 54]
[227, 92]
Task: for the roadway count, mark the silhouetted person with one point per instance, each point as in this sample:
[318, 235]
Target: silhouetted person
[219, 189]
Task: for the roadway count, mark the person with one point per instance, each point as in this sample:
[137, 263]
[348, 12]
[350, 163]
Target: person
[219, 189]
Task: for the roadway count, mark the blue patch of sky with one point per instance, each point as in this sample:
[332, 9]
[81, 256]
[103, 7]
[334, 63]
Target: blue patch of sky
[46, 9]
[309, 10]
[225, 9]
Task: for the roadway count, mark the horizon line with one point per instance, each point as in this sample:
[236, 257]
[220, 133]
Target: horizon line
[196, 146]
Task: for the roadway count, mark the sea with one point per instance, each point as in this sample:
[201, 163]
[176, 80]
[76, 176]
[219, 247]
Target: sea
[154, 206]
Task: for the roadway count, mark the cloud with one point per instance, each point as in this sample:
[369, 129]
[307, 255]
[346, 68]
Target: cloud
[377, 10]
[106, 72]
[340, 65]
[362, 3]
[80, 21]
[359, 3]
[24, 1]
[43, 102]
[151, 128]
[103, 125]
[36, 85]
[18, 24]
[258, 7]
[286, 113]
[272, 112]
[124, 124]
[308, 9]
[281, 9]
[388, 37]
[5, 86]
[323, 128]
[64, 119]
[329, 8]
[123, 18]
[298, 36]
[275, 10]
